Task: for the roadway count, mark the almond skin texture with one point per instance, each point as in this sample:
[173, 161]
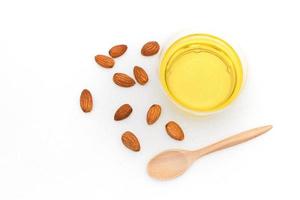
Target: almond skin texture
[131, 141]
[86, 101]
[174, 130]
[153, 114]
[140, 75]
[123, 112]
[150, 48]
[118, 50]
[104, 61]
[123, 80]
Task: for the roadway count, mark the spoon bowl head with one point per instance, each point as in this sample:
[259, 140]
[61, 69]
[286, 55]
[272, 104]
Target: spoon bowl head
[168, 165]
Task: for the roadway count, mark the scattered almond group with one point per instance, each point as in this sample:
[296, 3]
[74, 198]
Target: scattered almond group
[123, 80]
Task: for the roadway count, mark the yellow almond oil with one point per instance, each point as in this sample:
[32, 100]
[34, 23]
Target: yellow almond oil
[201, 72]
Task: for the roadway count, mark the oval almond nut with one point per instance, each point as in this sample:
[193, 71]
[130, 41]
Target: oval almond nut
[86, 101]
[174, 130]
[150, 48]
[123, 80]
[123, 112]
[140, 75]
[131, 141]
[118, 50]
[153, 114]
[104, 61]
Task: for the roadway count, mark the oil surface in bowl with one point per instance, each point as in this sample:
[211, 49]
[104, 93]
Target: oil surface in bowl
[201, 73]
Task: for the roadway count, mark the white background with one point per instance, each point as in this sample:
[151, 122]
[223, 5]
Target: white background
[50, 149]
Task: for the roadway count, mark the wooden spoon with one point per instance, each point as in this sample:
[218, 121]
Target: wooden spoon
[172, 163]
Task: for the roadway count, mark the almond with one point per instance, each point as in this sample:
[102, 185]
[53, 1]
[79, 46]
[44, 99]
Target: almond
[150, 48]
[123, 80]
[123, 112]
[131, 141]
[118, 50]
[104, 61]
[86, 101]
[174, 130]
[140, 75]
[153, 114]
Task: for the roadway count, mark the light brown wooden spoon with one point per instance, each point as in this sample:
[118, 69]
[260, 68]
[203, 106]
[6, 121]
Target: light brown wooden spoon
[172, 163]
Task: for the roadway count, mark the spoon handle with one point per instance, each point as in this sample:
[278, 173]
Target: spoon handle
[231, 141]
